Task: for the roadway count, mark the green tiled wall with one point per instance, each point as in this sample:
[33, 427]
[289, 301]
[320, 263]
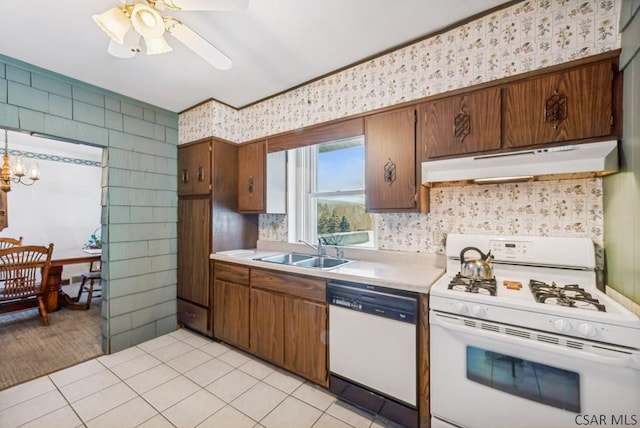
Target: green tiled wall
[622, 190]
[139, 200]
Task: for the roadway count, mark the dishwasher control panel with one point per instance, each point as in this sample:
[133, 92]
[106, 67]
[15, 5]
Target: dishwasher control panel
[401, 306]
[346, 303]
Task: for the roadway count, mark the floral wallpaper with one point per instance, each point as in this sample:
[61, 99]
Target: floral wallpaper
[526, 36]
[541, 208]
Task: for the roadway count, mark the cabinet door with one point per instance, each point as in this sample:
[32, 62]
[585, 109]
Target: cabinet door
[390, 161]
[570, 105]
[194, 169]
[305, 339]
[231, 313]
[461, 124]
[194, 231]
[267, 326]
[251, 177]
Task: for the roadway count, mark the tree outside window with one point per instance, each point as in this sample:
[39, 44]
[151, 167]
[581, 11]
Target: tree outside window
[336, 194]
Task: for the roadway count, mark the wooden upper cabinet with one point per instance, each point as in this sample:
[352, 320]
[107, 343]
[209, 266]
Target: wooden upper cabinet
[390, 161]
[194, 169]
[570, 105]
[461, 124]
[252, 177]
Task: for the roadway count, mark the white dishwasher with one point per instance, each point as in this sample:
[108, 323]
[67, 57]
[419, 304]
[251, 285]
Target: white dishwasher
[372, 348]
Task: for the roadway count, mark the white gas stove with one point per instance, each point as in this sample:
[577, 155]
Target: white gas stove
[538, 336]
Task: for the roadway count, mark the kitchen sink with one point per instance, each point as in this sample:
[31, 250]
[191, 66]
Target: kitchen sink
[286, 259]
[305, 260]
[322, 262]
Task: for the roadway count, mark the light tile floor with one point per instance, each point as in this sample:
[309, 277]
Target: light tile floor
[180, 379]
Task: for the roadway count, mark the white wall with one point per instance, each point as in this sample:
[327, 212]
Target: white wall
[63, 207]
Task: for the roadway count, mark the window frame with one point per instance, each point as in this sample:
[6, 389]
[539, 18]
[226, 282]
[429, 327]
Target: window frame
[304, 186]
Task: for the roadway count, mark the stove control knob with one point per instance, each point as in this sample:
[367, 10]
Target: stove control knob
[477, 310]
[460, 308]
[562, 325]
[587, 330]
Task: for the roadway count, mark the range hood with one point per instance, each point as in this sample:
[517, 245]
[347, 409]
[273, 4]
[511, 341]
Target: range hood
[600, 158]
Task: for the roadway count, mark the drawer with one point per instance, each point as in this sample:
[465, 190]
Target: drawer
[194, 316]
[231, 272]
[294, 285]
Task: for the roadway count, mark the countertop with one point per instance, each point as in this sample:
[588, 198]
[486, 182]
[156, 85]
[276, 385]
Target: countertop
[403, 271]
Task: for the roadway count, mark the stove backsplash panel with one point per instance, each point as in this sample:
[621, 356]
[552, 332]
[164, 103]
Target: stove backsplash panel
[572, 208]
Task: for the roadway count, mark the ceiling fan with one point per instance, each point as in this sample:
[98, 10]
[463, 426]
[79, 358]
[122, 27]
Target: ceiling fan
[136, 19]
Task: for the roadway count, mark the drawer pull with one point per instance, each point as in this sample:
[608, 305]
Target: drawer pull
[190, 314]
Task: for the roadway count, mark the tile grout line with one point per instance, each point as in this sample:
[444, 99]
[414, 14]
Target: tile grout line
[195, 342]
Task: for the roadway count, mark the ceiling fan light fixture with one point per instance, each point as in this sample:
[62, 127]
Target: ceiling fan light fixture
[128, 49]
[147, 21]
[156, 45]
[114, 22]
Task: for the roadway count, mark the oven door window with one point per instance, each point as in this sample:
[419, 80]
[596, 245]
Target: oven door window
[527, 379]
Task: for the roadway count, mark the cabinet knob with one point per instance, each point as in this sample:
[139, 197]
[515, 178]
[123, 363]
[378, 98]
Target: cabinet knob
[250, 185]
[185, 175]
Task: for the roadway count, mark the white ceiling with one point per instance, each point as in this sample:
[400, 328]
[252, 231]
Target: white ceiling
[274, 44]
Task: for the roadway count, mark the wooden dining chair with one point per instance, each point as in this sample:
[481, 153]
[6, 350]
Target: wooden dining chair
[25, 272]
[89, 279]
[6, 242]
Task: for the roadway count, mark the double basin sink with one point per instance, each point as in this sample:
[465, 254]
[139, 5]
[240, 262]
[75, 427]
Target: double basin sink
[305, 260]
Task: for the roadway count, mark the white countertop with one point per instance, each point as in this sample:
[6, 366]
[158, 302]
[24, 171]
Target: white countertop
[404, 271]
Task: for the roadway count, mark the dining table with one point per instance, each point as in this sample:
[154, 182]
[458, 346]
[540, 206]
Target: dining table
[56, 298]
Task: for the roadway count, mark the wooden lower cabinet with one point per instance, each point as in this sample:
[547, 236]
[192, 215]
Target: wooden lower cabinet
[289, 322]
[290, 332]
[267, 326]
[194, 316]
[231, 313]
[279, 317]
[305, 332]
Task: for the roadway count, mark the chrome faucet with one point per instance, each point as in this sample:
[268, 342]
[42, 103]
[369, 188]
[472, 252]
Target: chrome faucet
[319, 248]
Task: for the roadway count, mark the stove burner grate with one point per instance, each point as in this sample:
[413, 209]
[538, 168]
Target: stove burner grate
[486, 287]
[570, 295]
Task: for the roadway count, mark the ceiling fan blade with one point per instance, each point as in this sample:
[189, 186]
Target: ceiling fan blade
[200, 46]
[207, 4]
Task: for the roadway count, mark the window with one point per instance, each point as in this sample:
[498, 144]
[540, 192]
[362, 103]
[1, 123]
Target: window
[331, 194]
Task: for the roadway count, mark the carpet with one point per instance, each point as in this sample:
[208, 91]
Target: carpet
[28, 349]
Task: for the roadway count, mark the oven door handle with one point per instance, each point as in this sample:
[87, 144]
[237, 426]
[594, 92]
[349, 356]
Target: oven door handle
[631, 360]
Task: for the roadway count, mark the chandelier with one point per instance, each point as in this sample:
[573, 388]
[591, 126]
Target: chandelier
[16, 172]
